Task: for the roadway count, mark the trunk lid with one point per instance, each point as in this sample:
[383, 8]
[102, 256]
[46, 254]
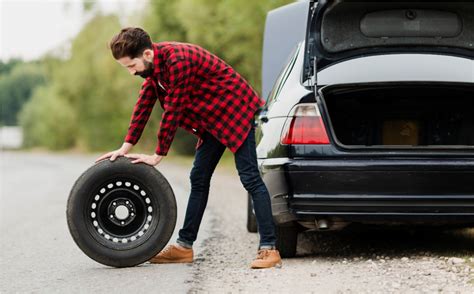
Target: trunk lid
[343, 29]
[285, 27]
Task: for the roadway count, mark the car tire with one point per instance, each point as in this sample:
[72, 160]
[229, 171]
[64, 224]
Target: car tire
[121, 214]
[251, 218]
[287, 240]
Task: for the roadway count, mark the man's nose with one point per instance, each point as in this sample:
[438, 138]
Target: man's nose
[132, 71]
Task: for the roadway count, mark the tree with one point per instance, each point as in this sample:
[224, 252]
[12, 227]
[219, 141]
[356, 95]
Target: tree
[6, 67]
[93, 97]
[16, 87]
[232, 29]
[48, 121]
[91, 88]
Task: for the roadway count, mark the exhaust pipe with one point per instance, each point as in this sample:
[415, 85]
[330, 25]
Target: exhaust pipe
[322, 224]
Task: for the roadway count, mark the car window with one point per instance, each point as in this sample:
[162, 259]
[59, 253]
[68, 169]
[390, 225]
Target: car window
[282, 77]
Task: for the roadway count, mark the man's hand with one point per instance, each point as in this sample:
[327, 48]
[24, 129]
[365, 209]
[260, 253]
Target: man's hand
[126, 147]
[148, 159]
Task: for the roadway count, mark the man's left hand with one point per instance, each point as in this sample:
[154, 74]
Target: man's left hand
[148, 159]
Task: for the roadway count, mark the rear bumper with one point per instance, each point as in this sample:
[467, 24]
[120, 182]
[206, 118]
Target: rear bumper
[409, 208]
[373, 189]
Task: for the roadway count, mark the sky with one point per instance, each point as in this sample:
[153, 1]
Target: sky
[31, 28]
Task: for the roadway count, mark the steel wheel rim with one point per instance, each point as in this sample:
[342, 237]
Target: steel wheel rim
[107, 222]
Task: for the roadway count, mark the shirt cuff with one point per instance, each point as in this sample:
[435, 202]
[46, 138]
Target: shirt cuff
[128, 139]
[160, 151]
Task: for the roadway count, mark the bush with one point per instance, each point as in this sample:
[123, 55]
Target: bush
[16, 88]
[48, 121]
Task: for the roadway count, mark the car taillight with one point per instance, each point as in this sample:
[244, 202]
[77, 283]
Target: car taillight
[305, 126]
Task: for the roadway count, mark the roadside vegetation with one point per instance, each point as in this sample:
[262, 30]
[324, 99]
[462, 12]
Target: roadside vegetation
[77, 96]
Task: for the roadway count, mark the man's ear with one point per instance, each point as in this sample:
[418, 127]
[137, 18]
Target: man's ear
[148, 55]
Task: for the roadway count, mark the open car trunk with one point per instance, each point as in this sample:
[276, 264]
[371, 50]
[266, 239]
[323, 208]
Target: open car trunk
[401, 115]
[344, 29]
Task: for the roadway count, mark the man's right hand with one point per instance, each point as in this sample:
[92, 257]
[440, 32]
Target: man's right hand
[126, 147]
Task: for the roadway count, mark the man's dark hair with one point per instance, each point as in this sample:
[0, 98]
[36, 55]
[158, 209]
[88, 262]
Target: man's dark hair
[130, 42]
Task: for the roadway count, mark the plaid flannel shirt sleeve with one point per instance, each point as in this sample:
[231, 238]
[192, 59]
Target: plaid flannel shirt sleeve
[180, 71]
[141, 112]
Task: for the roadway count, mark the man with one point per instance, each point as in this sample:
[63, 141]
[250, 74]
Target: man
[202, 94]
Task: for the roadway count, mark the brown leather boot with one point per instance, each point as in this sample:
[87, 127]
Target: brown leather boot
[173, 254]
[267, 258]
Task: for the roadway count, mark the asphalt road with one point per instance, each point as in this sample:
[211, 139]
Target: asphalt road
[38, 255]
[37, 252]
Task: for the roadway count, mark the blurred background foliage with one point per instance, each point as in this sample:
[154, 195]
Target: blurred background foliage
[85, 100]
[17, 81]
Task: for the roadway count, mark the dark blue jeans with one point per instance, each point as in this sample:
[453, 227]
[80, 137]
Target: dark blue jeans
[205, 161]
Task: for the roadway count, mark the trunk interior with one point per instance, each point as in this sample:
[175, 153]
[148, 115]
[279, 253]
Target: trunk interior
[420, 115]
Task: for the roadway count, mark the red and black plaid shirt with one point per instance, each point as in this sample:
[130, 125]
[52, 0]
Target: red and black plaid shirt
[198, 92]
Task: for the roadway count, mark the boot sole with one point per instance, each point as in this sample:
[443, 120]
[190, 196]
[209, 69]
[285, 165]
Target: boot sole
[183, 260]
[278, 265]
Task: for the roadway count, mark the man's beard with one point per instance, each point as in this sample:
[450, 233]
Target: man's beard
[148, 72]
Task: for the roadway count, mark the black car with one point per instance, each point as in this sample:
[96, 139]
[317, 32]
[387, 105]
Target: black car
[371, 117]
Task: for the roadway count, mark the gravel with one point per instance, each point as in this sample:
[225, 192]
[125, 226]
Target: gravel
[359, 259]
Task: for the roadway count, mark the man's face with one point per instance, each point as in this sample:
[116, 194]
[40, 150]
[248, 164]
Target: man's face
[139, 66]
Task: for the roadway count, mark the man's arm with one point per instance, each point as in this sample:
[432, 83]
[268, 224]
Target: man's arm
[141, 112]
[180, 72]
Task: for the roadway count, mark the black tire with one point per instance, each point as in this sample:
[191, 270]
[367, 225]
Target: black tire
[121, 214]
[251, 218]
[287, 240]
